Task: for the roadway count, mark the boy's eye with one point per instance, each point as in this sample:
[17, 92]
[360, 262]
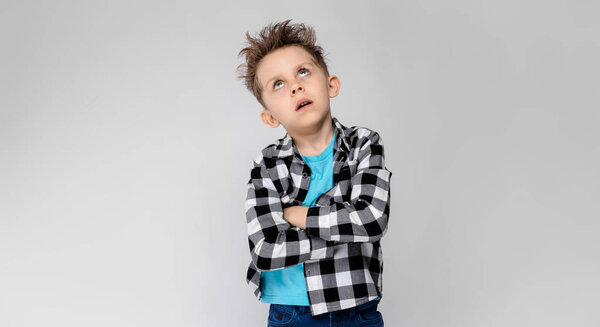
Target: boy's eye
[277, 82]
[303, 69]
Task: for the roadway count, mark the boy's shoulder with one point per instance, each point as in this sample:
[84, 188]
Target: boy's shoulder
[350, 138]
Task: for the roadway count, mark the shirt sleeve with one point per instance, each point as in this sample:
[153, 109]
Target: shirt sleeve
[365, 217]
[274, 243]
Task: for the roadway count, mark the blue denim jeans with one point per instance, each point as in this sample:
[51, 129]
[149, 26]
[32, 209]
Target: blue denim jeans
[365, 314]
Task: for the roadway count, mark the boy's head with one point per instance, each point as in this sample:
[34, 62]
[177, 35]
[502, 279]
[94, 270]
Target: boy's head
[284, 66]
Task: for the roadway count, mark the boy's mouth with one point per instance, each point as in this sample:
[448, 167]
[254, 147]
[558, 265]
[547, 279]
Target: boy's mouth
[303, 103]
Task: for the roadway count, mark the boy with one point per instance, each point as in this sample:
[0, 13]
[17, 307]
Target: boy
[318, 199]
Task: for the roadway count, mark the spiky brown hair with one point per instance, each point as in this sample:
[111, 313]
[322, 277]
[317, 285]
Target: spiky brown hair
[273, 37]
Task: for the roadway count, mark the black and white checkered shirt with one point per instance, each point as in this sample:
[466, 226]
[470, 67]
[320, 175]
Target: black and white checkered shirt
[340, 246]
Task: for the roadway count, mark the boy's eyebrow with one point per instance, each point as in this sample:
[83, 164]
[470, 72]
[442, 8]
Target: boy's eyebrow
[295, 68]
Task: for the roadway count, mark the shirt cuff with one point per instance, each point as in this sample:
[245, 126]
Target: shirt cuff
[317, 222]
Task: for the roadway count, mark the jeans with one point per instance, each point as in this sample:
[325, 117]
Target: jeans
[365, 314]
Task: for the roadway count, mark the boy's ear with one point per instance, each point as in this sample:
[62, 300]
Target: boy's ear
[268, 118]
[334, 86]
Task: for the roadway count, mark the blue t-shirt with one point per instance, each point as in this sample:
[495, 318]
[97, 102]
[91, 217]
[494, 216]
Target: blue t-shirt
[288, 285]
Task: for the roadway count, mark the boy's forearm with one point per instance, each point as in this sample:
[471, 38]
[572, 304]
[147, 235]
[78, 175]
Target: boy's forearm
[348, 222]
[298, 216]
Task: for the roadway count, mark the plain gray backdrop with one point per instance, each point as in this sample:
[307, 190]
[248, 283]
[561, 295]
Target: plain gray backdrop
[126, 142]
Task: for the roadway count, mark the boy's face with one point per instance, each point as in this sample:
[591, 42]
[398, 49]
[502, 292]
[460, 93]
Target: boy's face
[288, 75]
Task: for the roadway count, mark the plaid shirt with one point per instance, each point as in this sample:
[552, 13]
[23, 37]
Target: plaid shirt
[340, 247]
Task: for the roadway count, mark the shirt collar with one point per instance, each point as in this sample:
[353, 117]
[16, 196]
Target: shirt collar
[286, 147]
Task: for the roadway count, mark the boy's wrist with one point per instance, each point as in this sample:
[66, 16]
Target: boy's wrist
[296, 216]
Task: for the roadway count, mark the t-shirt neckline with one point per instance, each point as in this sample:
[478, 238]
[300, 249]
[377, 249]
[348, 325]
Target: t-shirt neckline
[322, 155]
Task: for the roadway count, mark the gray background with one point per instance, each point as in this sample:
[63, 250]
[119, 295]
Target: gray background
[126, 142]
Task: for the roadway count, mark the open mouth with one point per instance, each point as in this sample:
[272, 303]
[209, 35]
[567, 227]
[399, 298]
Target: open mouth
[304, 105]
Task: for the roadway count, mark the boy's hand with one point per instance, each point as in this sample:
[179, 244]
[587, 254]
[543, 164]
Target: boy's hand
[296, 215]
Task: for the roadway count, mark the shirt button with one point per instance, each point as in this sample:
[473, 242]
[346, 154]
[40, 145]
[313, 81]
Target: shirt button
[304, 175]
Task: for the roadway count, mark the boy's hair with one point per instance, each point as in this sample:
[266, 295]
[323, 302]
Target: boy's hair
[270, 38]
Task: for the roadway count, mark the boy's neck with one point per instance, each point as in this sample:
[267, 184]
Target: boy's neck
[314, 142]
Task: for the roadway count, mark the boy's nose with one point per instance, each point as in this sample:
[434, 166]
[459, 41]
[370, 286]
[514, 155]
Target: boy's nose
[297, 88]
